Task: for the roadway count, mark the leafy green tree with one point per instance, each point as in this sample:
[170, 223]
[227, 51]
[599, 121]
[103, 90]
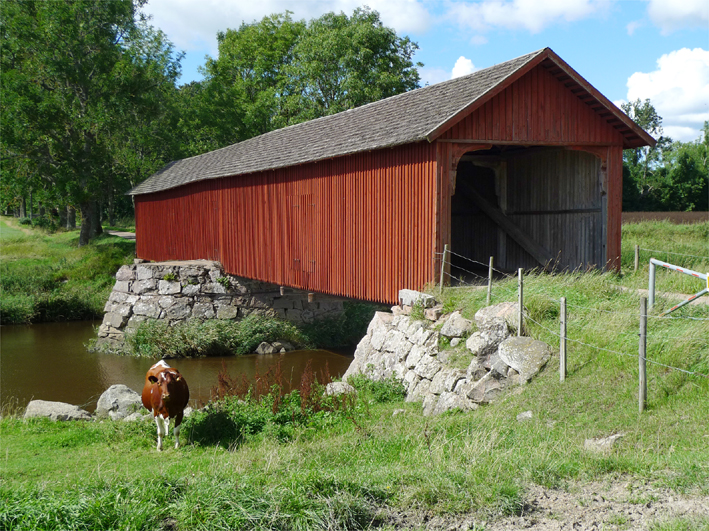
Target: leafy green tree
[343, 62]
[79, 77]
[686, 184]
[279, 72]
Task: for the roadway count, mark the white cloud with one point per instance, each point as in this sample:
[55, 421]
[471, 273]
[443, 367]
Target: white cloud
[632, 26]
[463, 67]
[679, 91]
[532, 15]
[193, 24]
[478, 40]
[671, 15]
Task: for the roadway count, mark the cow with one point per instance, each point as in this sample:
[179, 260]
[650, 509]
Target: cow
[166, 394]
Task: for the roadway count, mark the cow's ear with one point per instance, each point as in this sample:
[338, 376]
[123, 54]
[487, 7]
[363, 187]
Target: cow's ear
[152, 379]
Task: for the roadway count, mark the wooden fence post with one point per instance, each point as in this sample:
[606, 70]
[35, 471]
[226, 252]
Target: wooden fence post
[562, 344]
[489, 283]
[642, 360]
[443, 267]
[637, 257]
[520, 298]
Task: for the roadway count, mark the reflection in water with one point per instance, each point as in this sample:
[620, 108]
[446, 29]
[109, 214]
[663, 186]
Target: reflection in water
[48, 361]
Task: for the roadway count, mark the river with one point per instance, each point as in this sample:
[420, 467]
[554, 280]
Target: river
[49, 361]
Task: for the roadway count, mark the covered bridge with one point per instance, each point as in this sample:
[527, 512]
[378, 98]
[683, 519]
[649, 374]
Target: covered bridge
[521, 161]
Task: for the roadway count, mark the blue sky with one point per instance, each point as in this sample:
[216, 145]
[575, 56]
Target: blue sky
[627, 49]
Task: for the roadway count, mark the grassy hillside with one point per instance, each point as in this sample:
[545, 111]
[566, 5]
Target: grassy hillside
[373, 466]
[48, 277]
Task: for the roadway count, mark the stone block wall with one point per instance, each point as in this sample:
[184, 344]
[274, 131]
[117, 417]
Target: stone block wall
[199, 289]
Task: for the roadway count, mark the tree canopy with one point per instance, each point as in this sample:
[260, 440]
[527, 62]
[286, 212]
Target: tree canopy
[81, 80]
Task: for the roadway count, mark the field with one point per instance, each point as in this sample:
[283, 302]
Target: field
[380, 464]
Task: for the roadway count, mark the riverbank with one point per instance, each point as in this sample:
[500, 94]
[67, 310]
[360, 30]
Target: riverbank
[47, 277]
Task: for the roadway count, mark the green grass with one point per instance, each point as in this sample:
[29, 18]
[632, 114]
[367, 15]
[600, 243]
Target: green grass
[48, 277]
[351, 470]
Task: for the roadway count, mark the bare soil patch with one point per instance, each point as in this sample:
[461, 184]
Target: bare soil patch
[617, 505]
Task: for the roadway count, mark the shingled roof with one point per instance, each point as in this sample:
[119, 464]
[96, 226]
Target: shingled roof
[413, 116]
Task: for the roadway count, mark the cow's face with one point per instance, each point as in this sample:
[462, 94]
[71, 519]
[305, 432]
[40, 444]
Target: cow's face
[165, 382]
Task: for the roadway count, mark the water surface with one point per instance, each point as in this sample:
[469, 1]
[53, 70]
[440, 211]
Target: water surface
[49, 361]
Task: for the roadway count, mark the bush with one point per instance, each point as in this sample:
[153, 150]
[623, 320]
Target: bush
[25, 221]
[213, 337]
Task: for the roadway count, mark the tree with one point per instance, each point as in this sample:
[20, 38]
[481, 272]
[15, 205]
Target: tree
[279, 72]
[641, 164]
[77, 77]
[687, 175]
[343, 62]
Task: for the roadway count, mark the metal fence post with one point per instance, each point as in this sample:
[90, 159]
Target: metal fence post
[489, 283]
[637, 257]
[642, 360]
[443, 267]
[521, 305]
[562, 344]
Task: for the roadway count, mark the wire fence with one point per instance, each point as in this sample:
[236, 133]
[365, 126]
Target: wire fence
[655, 336]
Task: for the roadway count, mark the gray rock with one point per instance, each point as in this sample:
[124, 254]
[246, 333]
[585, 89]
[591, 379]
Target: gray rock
[137, 416]
[125, 273]
[419, 391]
[507, 311]
[427, 367]
[339, 388]
[488, 337]
[433, 314]
[455, 342]
[143, 286]
[227, 312]
[456, 326]
[144, 272]
[525, 355]
[147, 309]
[450, 401]
[283, 346]
[122, 286]
[168, 287]
[265, 348]
[379, 335]
[487, 389]
[525, 416]
[410, 297]
[117, 402]
[392, 340]
[203, 311]
[190, 290]
[602, 445]
[55, 411]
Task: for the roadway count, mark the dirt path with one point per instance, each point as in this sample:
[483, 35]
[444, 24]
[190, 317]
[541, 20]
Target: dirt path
[596, 506]
[13, 224]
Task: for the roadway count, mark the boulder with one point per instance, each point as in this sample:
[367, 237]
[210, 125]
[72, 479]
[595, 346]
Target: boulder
[409, 297]
[282, 346]
[525, 355]
[488, 337]
[265, 348]
[524, 416]
[449, 402]
[456, 326]
[118, 402]
[339, 388]
[507, 311]
[55, 411]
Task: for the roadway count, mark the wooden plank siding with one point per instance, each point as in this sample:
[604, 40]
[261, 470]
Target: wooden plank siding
[359, 226]
[536, 109]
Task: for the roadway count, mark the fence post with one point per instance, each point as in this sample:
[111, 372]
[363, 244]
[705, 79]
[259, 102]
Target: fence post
[637, 257]
[521, 305]
[651, 285]
[562, 345]
[489, 283]
[443, 267]
[642, 362]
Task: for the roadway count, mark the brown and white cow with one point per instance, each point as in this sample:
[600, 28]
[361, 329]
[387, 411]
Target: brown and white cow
[165, 394]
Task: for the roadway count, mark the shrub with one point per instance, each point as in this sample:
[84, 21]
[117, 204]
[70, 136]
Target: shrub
[25, 221]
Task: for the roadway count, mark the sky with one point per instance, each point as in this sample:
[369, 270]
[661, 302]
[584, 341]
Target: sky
[627, 49]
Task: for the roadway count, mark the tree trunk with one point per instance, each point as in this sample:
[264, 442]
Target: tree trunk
[95, 220]
[31, 216]
[86, 219]
[111, 207]
[23, 207]
[70, 217]
[62, 212]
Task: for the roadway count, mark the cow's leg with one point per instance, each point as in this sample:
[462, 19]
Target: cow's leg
[176, 430]
[162, 430]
